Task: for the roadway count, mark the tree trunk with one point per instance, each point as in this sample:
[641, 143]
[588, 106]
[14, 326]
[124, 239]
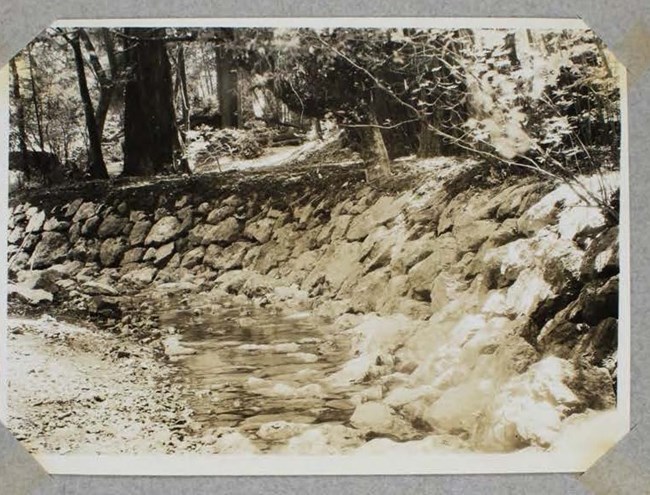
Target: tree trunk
[185, 97]
[239, 99]
[20, 117]
[208, 75]
[150, 133]
[379, 166]
[107, 85]
[511, 48]
[104, 103]
[603, 56]
[318, 129]
[430, 145]
[37, 106]
[96, 165]
[227, 86]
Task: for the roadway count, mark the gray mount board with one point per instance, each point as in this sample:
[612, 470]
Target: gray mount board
[623, 27]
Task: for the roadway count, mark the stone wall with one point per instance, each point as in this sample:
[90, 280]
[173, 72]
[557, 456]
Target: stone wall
[508, 277]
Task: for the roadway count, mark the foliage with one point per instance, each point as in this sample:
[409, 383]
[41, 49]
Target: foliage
[207, 145]
[558, 104]
[49, 88]
[544, 100]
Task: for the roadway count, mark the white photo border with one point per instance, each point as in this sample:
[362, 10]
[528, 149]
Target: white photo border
[267, 464]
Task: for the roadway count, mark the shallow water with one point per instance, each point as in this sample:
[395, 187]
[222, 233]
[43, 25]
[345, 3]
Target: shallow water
[253, 366]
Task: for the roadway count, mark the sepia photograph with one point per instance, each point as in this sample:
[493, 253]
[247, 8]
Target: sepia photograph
[315, 246]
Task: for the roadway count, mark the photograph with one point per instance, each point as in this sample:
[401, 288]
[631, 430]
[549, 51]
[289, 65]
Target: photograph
[315, 246]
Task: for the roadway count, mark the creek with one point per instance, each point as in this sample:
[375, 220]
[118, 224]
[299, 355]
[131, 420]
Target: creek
[253, 366]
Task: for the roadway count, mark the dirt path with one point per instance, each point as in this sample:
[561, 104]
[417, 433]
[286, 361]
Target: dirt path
[85, 391]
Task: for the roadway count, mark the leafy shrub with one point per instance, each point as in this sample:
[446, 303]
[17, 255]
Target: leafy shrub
[207, 145]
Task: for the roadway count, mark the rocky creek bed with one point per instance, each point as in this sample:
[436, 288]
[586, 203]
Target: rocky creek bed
[310, 312]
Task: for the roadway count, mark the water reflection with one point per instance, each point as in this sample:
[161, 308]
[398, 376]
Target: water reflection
[254, 366]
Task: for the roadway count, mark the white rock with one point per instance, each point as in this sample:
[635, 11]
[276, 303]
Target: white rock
[36, 222]
[495, 304]
[326, 439]
[98, 288]
[579, 220]
[163, 231]
[230, 441]
[84, 212]
[527, 292]
[279, 430]
[530, 407]
[173, 347]
[31, 296]
[405, 395]
[282, 348]
[373, 416]
[561, 201]
[142, 276]
[304, 357]
[285, 347]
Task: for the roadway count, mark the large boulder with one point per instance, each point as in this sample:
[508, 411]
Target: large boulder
[502, 265]
[570, 207]
[601, 257]
[505, 233]
[112, 226]
[213, 256]
[163, 231]
[84, 212]
[36, 221]
[132, 255]
[465, 208]
[196, 234]
[595, 303]
[341, 225]
[514, 200]
[139, 232]
[279, 430]
[111, 251]
[164, 254]
[54, 223]
[339, 263]
[421, 276]
[598, 345]
[260, 231]
[71, 208]
[16, 235]
[149, 254]
[140, 277]
[186, 216]
[193, 257]
[471, 235]
[505, 424]
[52, 248]
[90, 226]
[219, 214]
[271, 255]
[86, 250]
[229, 258]
[385, 208]
[414, 251]
[98, 288]
[224, 232]
[527, 293]
[378, 418]
[27, 295]
[367, 292]
[446, 287]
